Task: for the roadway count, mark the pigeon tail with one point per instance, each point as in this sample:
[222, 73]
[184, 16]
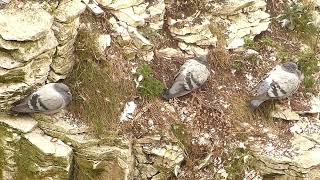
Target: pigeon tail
[21, 108]
[255, 103]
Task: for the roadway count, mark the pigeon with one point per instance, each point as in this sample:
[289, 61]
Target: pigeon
[192, 74]
[49, 99]
[279, 83]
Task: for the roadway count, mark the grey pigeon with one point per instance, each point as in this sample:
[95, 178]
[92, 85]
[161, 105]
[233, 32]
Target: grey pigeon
[281, 82]
[192, 74]
[49, 99]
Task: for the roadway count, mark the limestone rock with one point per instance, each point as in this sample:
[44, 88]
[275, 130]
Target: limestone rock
[119, 4]
[117, 160]
[32, 152]
[104, 2]
[127, 15]
[192, 33]
[95, 9]
[128, 111]
[54, 149]
[314, 105]
[163, 155]
[36, 72]
[69, 10]
[64, 57]
[9, 93]
[47, 145]
[67, 128]
[156, 11]
[24, 24]
[23, 124]
[120, 30]
[103, 41]
[8, 62]
[301, 160]
[137, 12]
[286, 114]
[15, 82]
[4, 2]
[170, 53]
[193, 49]
[251, 22]
[148, 171]
[54, 77]
[146, 55]
[27, 50]
[65, 49]
[172, 155]
[63, 65]
[66, 32]
[130, 33]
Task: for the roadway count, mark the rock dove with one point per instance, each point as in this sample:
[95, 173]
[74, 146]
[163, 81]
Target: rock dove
[49, 99]
[281, 82]
[192, 74]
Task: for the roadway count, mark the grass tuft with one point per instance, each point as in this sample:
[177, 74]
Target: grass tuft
[300, 20]
[308, 64]
[241, 161]
[238, 66]
[250, 44]
[150, 86]
[99, 88]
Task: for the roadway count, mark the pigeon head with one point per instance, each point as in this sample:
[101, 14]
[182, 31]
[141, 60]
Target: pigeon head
[64, 90]
[202, 59]
[290, 67]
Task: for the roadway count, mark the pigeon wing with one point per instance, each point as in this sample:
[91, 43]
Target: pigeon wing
[178, 88]
[24, 106]
[196, 76]
[183, 68]
[284, 85]
[264, 85]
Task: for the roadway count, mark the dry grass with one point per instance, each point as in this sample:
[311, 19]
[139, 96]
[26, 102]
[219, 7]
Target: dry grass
[100, 87]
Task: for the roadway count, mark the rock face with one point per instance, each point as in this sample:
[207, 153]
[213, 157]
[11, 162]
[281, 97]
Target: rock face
[110, 155]
[151, 156]
[252, 21]
[26, 27]
[298, 161]
[26, 153]
[35, 45]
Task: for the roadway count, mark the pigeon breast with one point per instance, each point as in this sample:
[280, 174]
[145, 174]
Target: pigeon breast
[46, 100]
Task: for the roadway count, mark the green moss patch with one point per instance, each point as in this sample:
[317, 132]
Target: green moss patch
[14, 76]
[308, 64]
[150, 86]
[240, 161]
[300, 21]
